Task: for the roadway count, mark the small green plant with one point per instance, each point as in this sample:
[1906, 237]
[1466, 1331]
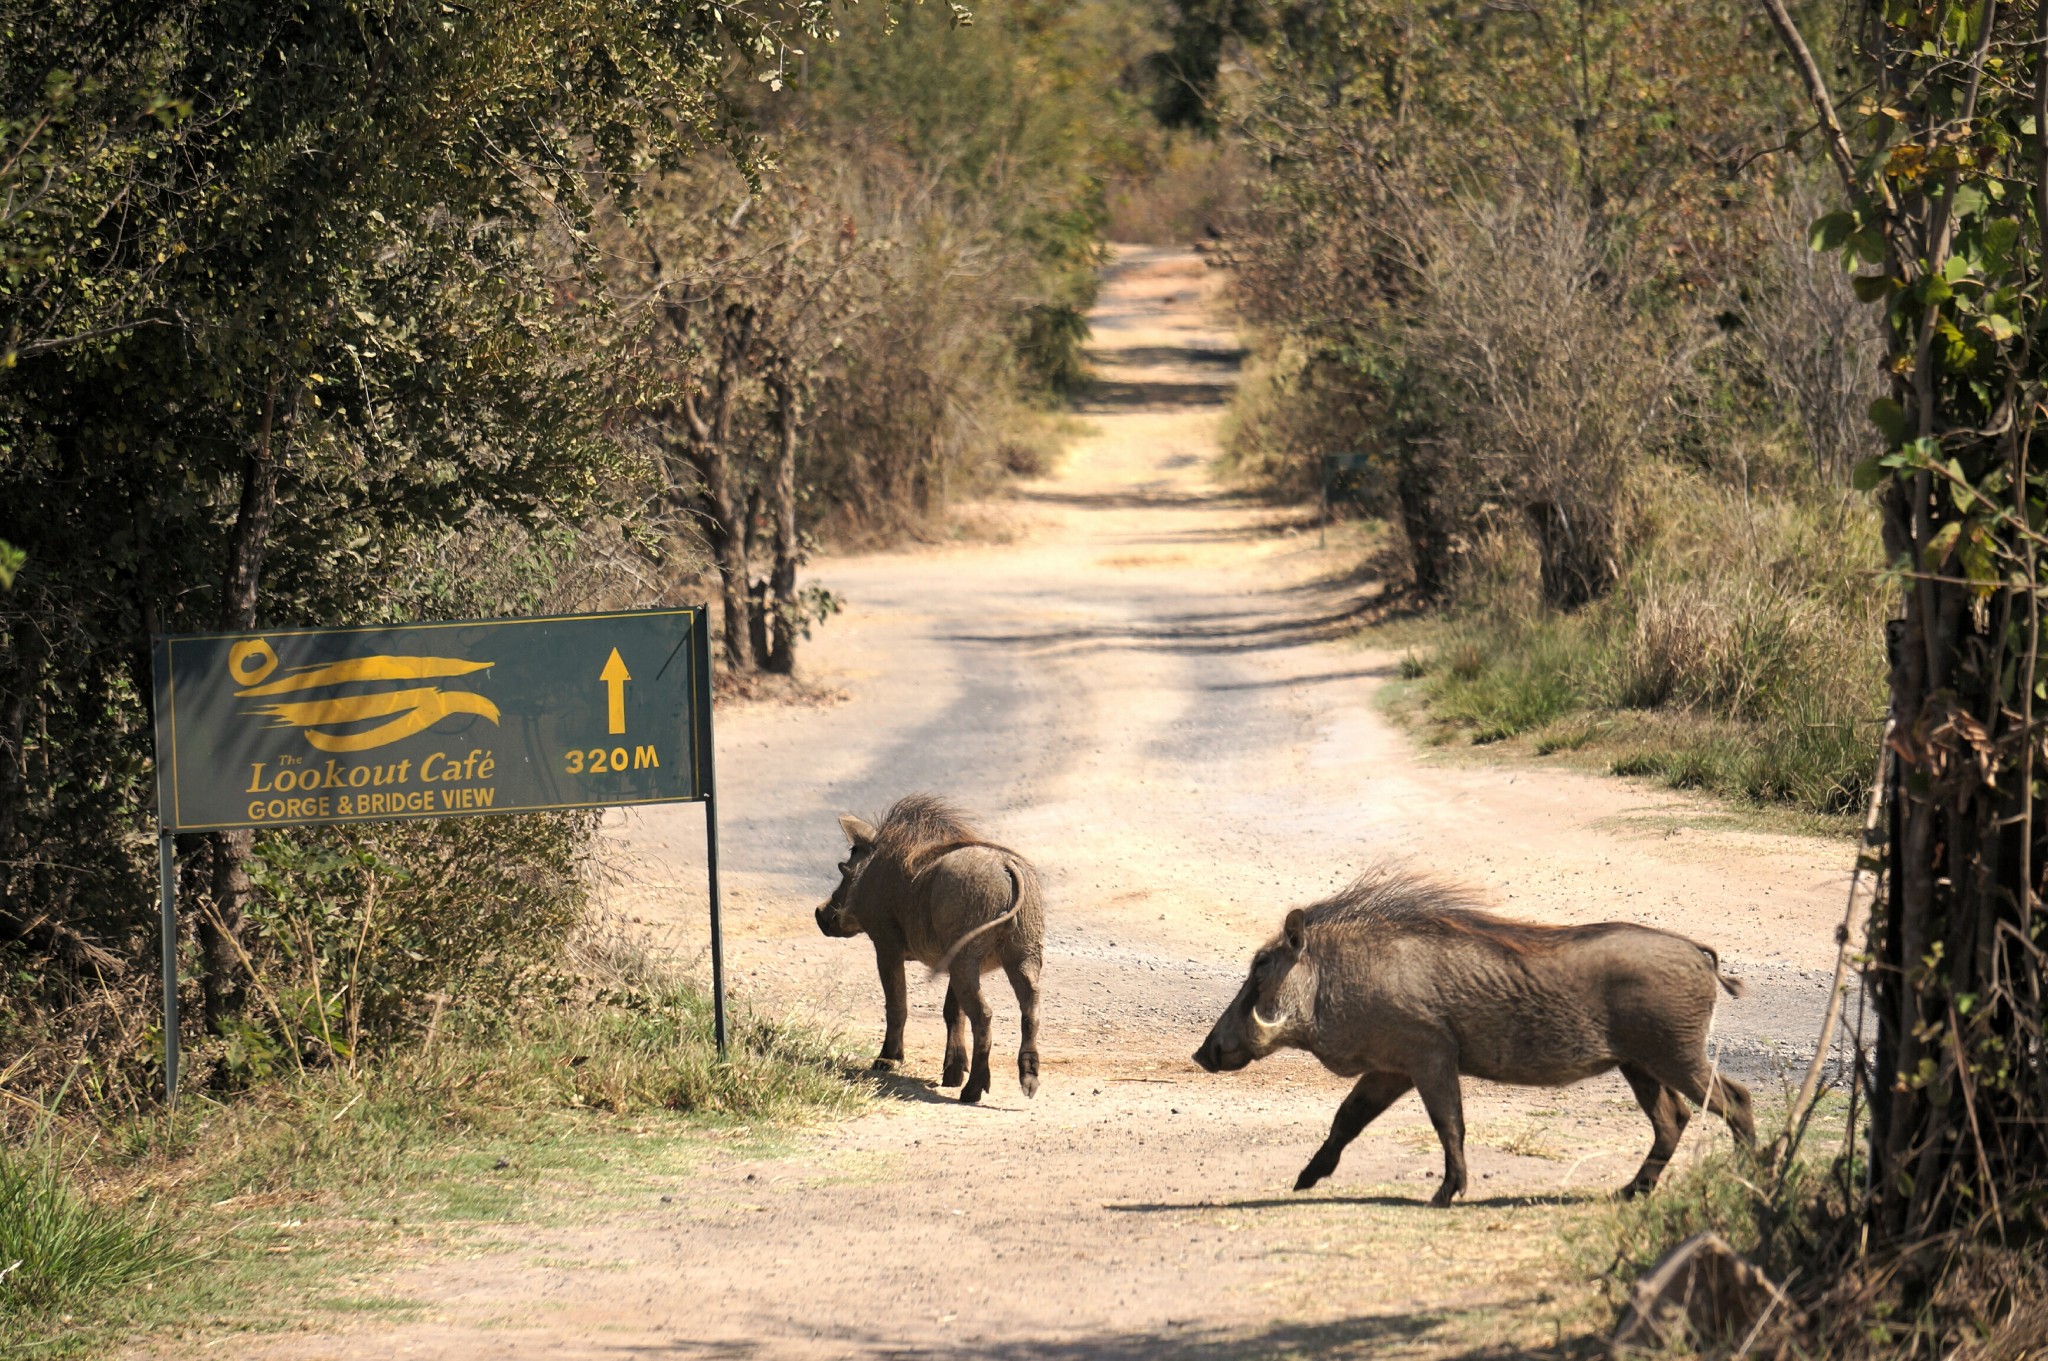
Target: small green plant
[59, 1248]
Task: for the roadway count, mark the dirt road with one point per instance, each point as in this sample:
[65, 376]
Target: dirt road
[1151, 692]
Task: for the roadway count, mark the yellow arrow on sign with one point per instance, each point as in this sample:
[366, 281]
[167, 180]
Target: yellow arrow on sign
[615, 677]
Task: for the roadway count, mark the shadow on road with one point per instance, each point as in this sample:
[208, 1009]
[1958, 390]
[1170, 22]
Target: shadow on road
[1373, 1335]
[1121, 395]
[1153, 497]
[898, 1087]
[1151, 356]
[1308, 1202]
[1324, 678]
[1191, 633]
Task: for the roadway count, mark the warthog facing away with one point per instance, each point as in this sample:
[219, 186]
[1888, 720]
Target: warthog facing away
[925, 886]
[1400, 981]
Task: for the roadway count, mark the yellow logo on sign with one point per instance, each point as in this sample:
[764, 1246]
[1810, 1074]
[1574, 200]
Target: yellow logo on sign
[328, 721]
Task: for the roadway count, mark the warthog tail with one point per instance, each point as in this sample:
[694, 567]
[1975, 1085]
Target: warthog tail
[1735, 987]
[1016, 902]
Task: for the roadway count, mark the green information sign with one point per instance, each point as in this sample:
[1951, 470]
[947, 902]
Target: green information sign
[430, 720]
[289, 726]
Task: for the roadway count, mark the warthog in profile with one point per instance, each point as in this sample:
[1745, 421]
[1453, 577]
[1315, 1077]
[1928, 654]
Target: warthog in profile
[925, 886]
[1400, 981]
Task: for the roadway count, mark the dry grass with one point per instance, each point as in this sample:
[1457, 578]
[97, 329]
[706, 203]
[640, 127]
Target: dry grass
[1739, 654]
[268, 1196]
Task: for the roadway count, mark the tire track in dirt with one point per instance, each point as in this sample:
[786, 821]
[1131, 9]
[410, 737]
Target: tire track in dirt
[1150, 692]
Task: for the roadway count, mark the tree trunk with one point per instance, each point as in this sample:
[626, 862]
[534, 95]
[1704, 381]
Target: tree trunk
[220, 919]
[729, 552]
[1571, 555]
[782, 581]
[704, 445]
[1959, 1088]
[1429, 544]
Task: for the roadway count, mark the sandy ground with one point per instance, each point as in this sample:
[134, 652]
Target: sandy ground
[1152, 692]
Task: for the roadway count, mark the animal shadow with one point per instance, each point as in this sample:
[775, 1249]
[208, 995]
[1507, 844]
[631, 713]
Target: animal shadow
[903, 1087]
[1298, 1202]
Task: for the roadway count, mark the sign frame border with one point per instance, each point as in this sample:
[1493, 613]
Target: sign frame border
[163, 711]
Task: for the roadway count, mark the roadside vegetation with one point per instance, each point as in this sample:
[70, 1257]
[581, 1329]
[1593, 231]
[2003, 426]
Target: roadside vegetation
[313, 314]
[1626, 310]
[251, 1211]
[1553, 279]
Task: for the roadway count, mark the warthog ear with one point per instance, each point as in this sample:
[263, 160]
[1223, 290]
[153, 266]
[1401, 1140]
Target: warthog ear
[858, 830]
[1296, 930]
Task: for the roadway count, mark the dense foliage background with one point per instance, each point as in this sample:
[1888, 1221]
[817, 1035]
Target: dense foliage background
[1548, 266]
[1631, 305]
[359, 311]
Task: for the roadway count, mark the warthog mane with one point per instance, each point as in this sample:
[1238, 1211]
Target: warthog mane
[1394, 897]
[918, 828]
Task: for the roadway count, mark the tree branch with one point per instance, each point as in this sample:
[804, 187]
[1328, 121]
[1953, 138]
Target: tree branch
[1817, 94]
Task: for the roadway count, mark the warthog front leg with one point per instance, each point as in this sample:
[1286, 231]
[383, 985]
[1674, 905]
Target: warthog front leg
[1437, 1085]
[967, 987]
[895, 1003]
[1373, 1094]
[1668, 1118]
[1024, 980]
[956, 1041]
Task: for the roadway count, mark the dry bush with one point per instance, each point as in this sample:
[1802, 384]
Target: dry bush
[925, 401]
[1752, 618]
[1288, 411]
[1194, 191]
[1559, 383]
[1726, 644]
[1812, 346]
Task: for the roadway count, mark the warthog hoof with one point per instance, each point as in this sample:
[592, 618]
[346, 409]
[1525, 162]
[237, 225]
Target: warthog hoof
[976, 1088]
[1027, 1073]
[956, 1071]
[885, 1065]
[1445, 1194]
[1310, 1175]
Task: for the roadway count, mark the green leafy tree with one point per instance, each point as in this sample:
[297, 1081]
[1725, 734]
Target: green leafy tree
[1945, 163]
[292, 295]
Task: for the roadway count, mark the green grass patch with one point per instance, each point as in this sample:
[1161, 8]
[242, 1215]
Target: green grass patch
[1550, 683]
[1740, 653]
[60, 1248]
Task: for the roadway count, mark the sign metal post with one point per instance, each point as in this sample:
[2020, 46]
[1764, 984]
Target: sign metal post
[299, 727]
[701, 657]
[167, 886]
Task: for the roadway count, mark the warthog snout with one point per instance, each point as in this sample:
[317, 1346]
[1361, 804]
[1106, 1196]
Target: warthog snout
[1252, 1026]
[835, 915]
[835, 920]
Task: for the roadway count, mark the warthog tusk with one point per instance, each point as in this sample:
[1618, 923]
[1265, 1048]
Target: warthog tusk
[1263, 1029]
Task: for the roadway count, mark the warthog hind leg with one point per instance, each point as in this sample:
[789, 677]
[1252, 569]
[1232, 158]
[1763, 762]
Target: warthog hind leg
[1668, 1117]
[1441, 1096]
[895, 1004]
[1373, 1094]
[967, 987]
[1024, 980]
[956, 1041]
[1704, 1085]
[1729, 1099]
